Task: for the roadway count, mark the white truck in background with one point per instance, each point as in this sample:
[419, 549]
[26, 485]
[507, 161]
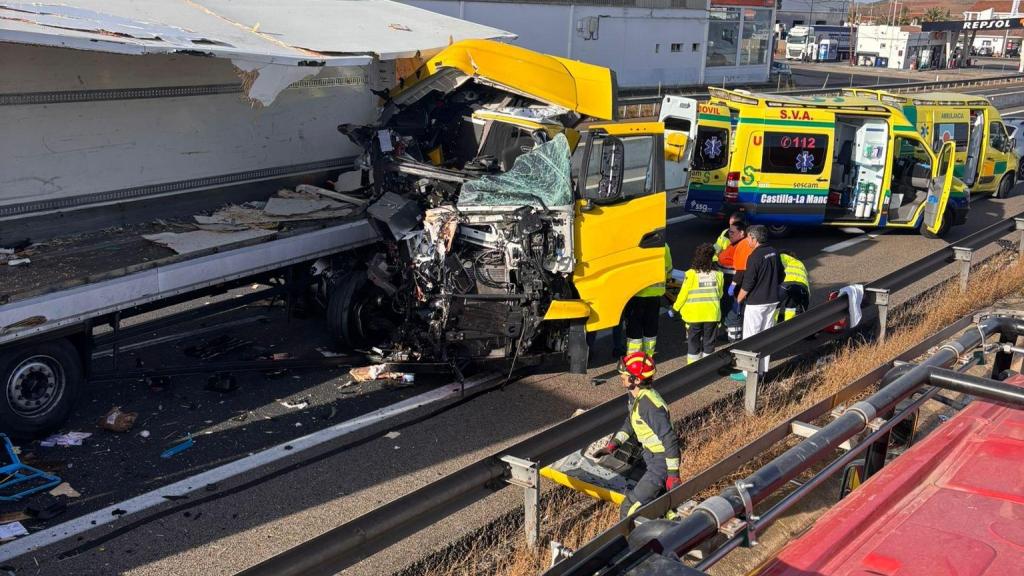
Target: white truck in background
[818, 43]
[118, 113]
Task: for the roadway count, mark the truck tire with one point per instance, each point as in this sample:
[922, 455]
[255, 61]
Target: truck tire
[947, 223]
[40, 385]
[779, 230]
[339, 309]
[1005, 187]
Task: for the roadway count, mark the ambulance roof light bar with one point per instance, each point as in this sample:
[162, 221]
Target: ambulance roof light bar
[753, 99]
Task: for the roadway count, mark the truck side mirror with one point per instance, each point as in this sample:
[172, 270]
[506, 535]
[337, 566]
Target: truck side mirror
[609, 188]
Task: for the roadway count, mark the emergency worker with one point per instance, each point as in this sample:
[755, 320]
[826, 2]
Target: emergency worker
[649, 423]
[642, 314]
[699, 303]
[724, 239]
[796, 286]
[727, 263]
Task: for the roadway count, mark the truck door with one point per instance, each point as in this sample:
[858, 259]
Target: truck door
[710, 163]
[679, 115]
[938, 191]
[619, 228]
[975, 147]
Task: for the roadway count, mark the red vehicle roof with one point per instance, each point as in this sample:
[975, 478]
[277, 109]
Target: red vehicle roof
[951, 505]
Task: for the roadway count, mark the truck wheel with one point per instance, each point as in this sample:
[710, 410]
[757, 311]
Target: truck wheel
[40, 385]
[359, 313]
[779, 230]
[947, 223]
[1005, 186]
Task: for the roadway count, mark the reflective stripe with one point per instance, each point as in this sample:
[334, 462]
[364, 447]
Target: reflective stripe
[796, 272]
[621, 437]
[699, 297]
[643, 432]
[672, 464]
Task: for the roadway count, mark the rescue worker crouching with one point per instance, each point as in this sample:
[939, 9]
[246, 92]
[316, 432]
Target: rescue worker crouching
[796, 286]
[699, 303]
[649, 422]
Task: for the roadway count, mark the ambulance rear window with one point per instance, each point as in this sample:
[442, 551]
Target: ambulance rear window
[956, 131]
[794, 153]
[712, 149]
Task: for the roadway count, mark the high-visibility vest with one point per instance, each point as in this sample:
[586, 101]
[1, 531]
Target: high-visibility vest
[643, 432]
[659, 288]
[796, 272]
[700, 296]
[722, 242]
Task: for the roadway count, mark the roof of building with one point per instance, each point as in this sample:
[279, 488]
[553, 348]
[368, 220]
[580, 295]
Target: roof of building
[952, 504]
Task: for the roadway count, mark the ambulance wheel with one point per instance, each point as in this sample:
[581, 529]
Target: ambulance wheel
[779, 230]
[1005, 187]
[40, 385]
[947, 223]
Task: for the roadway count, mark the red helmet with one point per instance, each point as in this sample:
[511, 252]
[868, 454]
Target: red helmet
[638, 365]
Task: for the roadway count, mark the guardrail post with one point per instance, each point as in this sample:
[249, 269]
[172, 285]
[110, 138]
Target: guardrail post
[963, 255]
[525, 474]
[1018, 225]
[882, 302]
[749, 362]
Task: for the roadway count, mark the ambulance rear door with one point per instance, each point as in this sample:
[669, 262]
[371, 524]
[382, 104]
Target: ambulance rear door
[975, 144]
[711, 155]
[938, 192]
[679, 115]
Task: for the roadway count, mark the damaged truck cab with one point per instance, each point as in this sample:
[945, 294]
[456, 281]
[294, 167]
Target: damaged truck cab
[510, 227]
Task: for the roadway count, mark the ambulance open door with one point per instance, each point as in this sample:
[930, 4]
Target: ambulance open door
[938, 192]
[974, 149]
[679, 115]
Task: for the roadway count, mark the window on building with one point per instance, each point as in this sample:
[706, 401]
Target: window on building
[695, 47]
[723, 36]
[757, 30]
[677, 47]
[657, 48]
[819, 22]
[794, 153]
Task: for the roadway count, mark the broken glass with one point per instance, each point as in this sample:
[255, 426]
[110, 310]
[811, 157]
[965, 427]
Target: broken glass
[541, 177]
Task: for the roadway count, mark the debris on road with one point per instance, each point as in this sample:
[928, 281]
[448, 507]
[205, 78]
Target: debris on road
[65, 440]
[19, 262]
[300, 404]
[199, 240]
[392, 435]
[144, 434]
[11, 531]
[65, 489]
[118, 420]
[375, 372]
[316, 190]
[174, 450]
[17, 516]
[47, 510]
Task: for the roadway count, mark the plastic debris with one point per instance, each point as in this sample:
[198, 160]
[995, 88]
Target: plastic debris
[374, 372]
[144, 434]
[69, 439]
[297, 405]
[65, 489]
[117, 420]
[19, 262]
[12, 531]
[392, 435]
[174, 450]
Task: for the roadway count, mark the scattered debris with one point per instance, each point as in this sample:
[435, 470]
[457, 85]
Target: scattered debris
[144, 434]
[12, 531]
[69, 439]
[374, 372]
[328, 353]
[299, 404]
[19, 262]
[316, 190]
[173, 497]
[8, 517]
[65, 489]
[118, 420]
[118, 512]
[392, 435]
[199, 240]
[47, 511]
[295, 206]
[174, 450]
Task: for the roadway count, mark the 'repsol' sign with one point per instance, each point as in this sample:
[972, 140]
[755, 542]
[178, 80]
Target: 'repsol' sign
[959, 25]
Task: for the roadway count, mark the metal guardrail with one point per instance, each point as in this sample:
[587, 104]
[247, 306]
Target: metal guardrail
[894, 86]
[378, 529]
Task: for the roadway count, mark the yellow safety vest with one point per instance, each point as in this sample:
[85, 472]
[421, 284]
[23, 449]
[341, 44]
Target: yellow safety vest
[659, 288]
[721, 243]
[700, 296]
[644, 434]
[796, 273]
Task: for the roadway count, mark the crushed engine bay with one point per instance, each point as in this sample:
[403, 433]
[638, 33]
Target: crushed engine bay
[471, 190]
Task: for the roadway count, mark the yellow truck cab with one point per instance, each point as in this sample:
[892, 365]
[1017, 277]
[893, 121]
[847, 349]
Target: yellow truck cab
[985, 157]
[516, 216]
[834, 161]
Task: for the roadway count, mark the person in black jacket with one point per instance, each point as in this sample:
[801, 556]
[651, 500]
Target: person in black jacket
[760, 289]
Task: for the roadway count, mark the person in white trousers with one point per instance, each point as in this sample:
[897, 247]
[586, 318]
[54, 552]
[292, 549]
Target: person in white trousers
[760, 289]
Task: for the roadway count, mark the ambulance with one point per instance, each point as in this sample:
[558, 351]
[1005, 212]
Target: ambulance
[985, 157]
[813, 161]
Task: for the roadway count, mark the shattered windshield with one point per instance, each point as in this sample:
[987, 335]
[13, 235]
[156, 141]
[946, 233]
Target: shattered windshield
[541, 177]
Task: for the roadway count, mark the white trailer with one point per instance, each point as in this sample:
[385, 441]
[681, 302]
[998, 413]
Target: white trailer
[117, 112]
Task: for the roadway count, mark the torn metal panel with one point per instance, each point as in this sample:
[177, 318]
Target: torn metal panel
[199, 240]
[309, 34]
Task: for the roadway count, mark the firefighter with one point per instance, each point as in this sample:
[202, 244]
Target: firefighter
[649, 423]
[796, 286]
[699, 303]
[642, 314]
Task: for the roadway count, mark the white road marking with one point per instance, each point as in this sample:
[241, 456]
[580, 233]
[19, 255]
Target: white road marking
[852, 241]
[678, 219]
[156, 497]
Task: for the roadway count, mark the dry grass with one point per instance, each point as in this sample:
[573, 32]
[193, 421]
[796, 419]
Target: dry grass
[571, 519]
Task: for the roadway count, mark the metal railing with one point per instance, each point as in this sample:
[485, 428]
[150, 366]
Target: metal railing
[378, 529]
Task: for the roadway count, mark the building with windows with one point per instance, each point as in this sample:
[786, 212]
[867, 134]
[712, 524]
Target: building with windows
[901, 47]
[812, 13]
[648, 43]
